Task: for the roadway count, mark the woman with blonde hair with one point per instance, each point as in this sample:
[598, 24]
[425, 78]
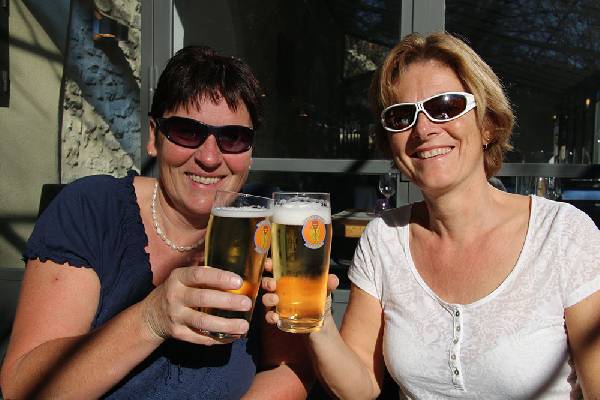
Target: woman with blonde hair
[473, 292]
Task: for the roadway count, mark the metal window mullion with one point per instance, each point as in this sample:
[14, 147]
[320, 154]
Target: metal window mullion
[406, 18]
[423, 16]
[361, 167]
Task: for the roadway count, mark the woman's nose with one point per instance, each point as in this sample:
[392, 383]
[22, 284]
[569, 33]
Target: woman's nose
[209, 154]
[423, 125]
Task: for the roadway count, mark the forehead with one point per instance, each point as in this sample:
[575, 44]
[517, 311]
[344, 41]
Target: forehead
[214, 111]
[423, 79]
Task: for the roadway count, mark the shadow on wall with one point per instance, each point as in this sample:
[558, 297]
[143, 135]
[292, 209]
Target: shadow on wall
[8, 233]
[10, 283]
[53, 18]
[107, 81]
[7, 222]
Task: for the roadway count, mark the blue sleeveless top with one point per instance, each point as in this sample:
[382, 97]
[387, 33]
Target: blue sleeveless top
[95, 222]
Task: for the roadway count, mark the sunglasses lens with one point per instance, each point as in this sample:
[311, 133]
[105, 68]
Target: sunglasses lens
[183, 132]
[235, 139]
[191, 134]
[399, 117]
[445, 106]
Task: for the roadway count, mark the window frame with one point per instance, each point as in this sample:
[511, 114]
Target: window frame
[4, 54]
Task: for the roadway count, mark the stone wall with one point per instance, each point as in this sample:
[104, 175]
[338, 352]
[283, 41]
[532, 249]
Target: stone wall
[128, 13]
[100, 131]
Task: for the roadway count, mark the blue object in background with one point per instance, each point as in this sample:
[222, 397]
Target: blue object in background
[580, 194]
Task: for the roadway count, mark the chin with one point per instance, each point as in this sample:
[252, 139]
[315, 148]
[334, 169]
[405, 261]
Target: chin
[204, 204]
[434, 184]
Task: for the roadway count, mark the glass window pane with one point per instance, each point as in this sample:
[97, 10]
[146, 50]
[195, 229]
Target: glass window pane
[348, 191]
[547, 53]
[315, 59]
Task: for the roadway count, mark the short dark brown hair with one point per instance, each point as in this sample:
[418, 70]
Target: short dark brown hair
[198, 72]
[493, 108]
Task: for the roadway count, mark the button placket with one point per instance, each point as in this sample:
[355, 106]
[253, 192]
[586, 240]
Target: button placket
[454, 356]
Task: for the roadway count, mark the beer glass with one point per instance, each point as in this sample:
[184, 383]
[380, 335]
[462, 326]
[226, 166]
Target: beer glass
[237, 240]
[301, 249]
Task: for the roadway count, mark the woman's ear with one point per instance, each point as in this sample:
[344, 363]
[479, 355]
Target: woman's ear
[152, 147]
[486, 133]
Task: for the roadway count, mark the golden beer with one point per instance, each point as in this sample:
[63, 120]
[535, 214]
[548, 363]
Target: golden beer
[301, 249]
[238, 240]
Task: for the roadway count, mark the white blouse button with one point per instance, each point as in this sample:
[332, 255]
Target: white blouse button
[454, 361]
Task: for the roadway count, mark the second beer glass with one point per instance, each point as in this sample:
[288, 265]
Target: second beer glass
[237, 240]
[301, 249]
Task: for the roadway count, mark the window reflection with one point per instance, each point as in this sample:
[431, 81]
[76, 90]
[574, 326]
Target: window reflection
[547, 54]
[348, 191]
[315, 59]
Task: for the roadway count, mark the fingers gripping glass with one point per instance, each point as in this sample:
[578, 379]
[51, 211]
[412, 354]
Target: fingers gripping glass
[442, 107]
[187, 132]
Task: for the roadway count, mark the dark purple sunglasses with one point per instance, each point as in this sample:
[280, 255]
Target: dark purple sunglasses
[187, 132]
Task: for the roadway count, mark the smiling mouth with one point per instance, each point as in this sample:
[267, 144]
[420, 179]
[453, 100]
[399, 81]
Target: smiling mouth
[205, 180]
[434, 152]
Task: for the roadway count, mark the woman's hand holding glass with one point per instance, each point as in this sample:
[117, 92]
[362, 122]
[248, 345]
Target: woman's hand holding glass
[171, 310]
[270, 298]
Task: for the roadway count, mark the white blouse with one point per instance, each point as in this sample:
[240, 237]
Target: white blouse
[510, 344]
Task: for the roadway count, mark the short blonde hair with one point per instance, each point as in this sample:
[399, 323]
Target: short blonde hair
[493, 109]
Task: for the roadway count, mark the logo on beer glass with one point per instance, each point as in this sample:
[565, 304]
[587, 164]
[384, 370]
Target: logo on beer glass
[262, 237]
[313, 232]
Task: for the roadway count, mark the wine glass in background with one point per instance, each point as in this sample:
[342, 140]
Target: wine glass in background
[554, 188]
[387, 187]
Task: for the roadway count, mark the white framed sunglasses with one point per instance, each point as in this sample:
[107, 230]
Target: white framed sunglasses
[442, 107]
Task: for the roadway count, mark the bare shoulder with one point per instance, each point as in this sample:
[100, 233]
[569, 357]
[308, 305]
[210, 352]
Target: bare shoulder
[515, 202]
[144, 187]
[512, 207]
[143, 184]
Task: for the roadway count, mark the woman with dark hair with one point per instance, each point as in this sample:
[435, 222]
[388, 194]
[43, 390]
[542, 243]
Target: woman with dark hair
[472, 293]
[115, 277]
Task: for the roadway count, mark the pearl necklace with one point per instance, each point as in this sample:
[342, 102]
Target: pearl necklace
[161, 234]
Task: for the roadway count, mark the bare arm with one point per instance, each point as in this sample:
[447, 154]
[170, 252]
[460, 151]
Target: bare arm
[583, 329]
[285, 369]
[350, 363]
[52, 350]
[56, 308]
[284, 365]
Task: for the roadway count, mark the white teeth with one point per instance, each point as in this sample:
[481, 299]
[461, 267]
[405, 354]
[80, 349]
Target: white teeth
[434, 152]
[205, 180]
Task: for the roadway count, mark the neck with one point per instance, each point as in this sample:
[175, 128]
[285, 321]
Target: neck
[173, 228]
[461, 213]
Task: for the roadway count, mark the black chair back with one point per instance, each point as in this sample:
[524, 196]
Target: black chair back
[49, 192]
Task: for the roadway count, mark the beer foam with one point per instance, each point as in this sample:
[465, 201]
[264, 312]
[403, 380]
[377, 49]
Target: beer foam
[295, 212]
[241, 212]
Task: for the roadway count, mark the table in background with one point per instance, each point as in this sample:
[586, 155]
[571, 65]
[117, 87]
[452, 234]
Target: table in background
[347, 227]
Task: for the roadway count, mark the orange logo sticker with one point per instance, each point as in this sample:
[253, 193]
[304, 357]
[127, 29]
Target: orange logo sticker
[262, 237]
[313, 232]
